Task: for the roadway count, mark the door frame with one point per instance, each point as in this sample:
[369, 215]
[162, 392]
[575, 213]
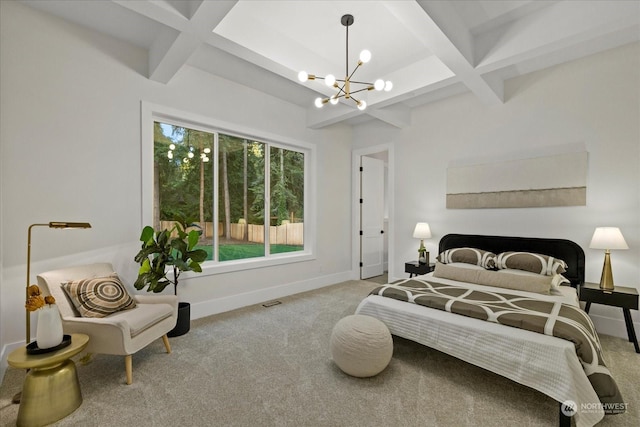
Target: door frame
[356, 154]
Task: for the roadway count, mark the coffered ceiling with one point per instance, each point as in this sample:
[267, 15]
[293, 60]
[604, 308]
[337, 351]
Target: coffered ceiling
[429, 49]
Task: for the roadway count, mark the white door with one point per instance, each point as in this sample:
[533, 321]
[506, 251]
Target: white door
[371, 217]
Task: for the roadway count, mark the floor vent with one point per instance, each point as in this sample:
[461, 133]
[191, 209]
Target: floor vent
[271, 303]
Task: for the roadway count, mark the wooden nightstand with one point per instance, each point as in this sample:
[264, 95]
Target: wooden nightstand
[416, 268]
[625, 298]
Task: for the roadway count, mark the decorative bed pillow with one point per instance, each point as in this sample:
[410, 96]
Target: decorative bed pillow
[535, 263]
[98, 296]
[538, 284]
[465, 265]
[472, 256]
[556, 279]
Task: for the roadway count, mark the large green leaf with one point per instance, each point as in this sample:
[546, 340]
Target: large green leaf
[145, 267]
[199, 255]
[180, 246]
[147, 235]
[195, 267]
[182, 265]
[194, 236]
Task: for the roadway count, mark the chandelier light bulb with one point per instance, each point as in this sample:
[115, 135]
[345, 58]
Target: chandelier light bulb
[172, 147]
[330, 80]
[170, 154]
[348, 85]
[190, 155]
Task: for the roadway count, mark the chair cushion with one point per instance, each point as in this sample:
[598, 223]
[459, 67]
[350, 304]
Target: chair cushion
[98, 296]
[144, 316]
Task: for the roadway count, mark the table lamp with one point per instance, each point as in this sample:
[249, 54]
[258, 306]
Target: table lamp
[422, 231]
[607, 238]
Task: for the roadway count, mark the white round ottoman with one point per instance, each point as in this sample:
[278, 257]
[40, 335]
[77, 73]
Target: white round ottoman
[361, 345]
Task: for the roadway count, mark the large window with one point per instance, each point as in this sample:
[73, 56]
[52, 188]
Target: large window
[247, 197]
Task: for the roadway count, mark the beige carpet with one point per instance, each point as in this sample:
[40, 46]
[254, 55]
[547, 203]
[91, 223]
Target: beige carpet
[272, 366]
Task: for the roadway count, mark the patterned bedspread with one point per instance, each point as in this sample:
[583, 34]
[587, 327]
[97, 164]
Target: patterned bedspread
[545, 317]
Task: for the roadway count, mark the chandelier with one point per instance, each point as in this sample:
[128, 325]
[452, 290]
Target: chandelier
[344, 86]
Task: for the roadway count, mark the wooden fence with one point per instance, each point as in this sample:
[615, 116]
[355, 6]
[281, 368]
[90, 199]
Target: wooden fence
[285, 234]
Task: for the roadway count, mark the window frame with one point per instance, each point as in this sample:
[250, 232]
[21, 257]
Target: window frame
[153, 112]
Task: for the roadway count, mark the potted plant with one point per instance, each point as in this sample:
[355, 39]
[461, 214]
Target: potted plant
[164, 251]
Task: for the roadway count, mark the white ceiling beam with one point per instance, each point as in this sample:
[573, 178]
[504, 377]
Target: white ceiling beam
[156, 11]
[208, 15]
[318, 118]
[170, 51]
[397, 115]
[176, 43]
[443, 33]
[548, 30]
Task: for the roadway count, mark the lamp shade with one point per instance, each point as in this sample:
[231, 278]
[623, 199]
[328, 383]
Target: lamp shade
[60, 224]
[608, 238]
[422, 231]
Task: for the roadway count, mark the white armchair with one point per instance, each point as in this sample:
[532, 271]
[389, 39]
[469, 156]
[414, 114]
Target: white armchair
[122, 333]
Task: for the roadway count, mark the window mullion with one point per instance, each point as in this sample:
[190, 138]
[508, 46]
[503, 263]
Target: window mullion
[216, 220]
[267, 200]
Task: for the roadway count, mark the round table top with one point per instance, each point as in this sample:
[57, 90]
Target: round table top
[19, 358]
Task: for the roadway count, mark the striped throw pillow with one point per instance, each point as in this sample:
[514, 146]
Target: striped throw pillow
[99, 296]
[473, 256]
[535, 263]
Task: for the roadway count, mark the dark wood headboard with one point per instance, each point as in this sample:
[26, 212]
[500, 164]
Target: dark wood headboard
[566, 250]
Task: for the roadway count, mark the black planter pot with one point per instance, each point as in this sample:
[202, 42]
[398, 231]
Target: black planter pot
[184, 320]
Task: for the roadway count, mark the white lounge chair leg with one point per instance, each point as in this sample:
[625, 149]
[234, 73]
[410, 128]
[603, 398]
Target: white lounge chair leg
[165, 339]
[128, 365]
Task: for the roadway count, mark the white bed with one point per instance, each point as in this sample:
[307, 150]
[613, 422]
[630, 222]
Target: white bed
[545, 363]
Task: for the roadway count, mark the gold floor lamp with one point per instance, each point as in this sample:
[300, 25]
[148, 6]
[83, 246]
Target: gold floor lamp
[52, 224]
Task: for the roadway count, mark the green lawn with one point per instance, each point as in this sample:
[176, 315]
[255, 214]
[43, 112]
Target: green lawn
[249, 250]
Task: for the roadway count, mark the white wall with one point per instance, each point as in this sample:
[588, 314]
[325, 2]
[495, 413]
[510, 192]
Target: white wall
[592, 103]
[70, 141]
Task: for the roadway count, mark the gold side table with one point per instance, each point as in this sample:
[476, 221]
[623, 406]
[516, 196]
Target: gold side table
[51, 390]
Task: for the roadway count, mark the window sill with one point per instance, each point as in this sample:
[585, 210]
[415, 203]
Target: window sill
[210, 268]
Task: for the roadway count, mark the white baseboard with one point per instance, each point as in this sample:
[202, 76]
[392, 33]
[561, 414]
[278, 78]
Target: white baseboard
[614, 327]
[221, 305]
[3, 359]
